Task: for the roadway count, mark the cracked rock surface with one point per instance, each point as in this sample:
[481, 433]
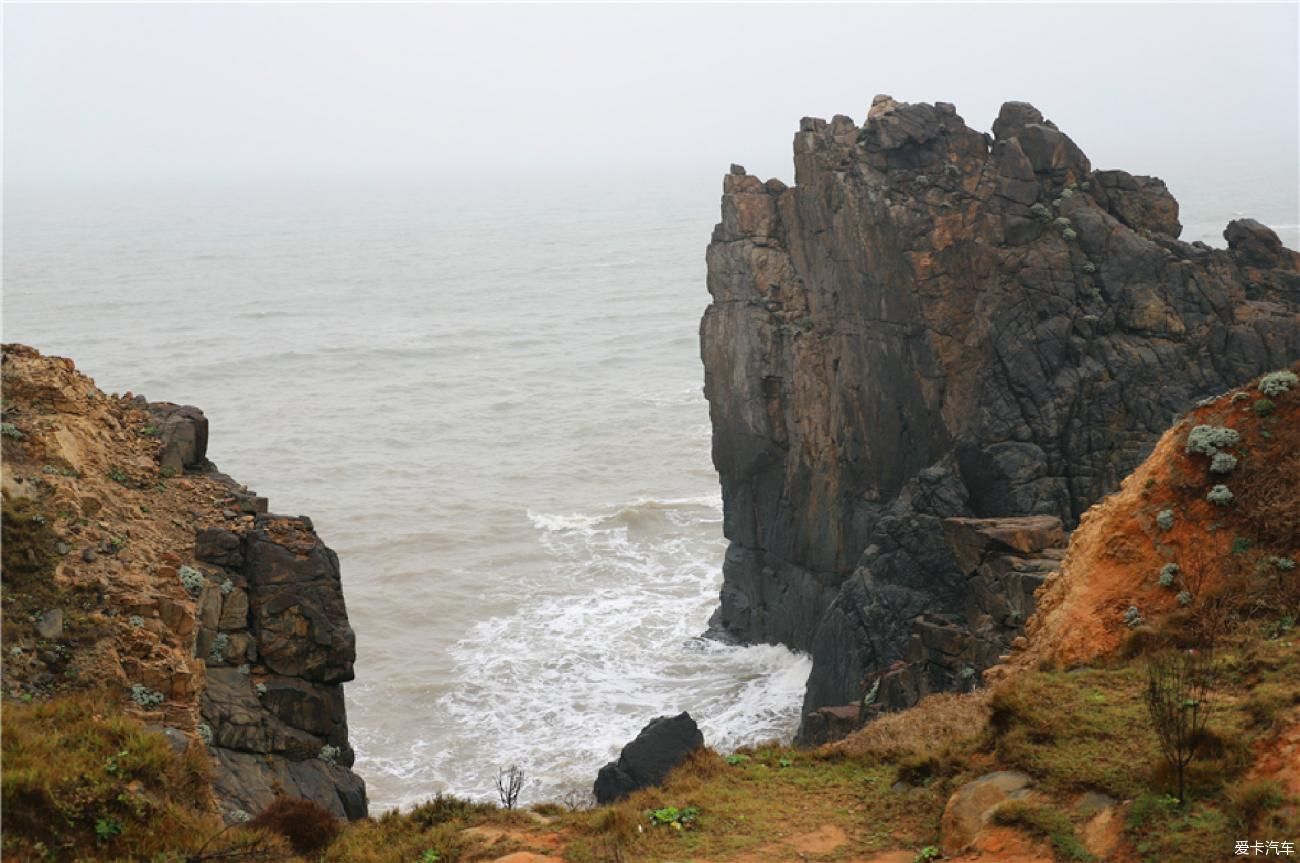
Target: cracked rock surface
[935, 323]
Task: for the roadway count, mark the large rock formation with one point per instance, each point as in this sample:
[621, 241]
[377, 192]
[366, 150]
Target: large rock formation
[933, 324]
[274, 633]
[221, 626]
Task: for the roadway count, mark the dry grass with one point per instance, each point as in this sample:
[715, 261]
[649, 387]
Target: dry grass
[939, 721]
[84, 782]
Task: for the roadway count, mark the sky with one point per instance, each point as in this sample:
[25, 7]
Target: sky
[221, 93]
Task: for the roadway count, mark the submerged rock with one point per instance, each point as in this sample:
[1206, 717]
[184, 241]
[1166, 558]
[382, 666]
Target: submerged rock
[647, 760]
[935, 324]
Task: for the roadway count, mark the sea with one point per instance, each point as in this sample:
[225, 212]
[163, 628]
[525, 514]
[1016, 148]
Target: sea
[488, 397]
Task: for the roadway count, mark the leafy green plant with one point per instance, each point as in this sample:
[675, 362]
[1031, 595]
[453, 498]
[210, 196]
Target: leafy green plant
[11, 431]
[430, 856]
[107, 828]
[678, 819]
[118, 476]
[737, 759]
[926, 854]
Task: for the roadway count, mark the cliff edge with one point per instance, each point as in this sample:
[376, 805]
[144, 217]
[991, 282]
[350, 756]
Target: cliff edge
[133, 565]
[927, 358]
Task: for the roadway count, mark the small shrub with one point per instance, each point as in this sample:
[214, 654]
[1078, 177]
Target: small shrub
[1241, 545]
[1041, 213]
[1177, 696]
[136, 621]
[1184, 598]
[1264, 407]
[1208, 440]
[192, 580]
[309, 827]
[1069, 233]
[1223, 462]
[205, 733]
[1133, 617]
[1089, 268]
[260, 689]
[509, 783]
[227, 587]
[1274, 384]
[219, 645]
[1220, 495]
[329, 754]
[1168, 573]
[10, 430]
[118, 476]
[1061, 222]
[1285, 564]
[146, 697]
[1165, 519]
[735, 760]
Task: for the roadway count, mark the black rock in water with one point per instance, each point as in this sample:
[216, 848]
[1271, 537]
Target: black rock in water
[647, 760]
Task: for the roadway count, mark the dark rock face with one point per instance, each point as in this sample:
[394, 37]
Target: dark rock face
[273, 630]
[935, 324]
[646, 761]
[182, 433]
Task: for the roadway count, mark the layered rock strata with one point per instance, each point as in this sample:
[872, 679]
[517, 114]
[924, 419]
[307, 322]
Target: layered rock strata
[931, 324]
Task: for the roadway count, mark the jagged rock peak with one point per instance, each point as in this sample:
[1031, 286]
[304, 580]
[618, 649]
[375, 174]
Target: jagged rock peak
[935, 323]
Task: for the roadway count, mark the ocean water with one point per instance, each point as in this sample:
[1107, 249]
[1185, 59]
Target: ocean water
[489, 400]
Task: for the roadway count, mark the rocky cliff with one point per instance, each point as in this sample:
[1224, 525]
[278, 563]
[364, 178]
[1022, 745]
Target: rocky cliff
[933, 328]
[170, 584]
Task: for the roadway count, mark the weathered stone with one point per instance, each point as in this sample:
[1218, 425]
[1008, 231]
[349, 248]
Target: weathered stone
[183, 435]
[646, 761]
[968, 810]
[829, 723]
[296, 598]
[234, 610]
[909, 334]
[251, 782]
[218, 546]
[50, 624]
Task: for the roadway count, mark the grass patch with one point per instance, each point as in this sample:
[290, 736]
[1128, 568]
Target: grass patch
[83, 781]
[1076, 731]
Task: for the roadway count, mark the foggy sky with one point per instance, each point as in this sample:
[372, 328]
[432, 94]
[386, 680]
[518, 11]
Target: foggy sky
[222, 92]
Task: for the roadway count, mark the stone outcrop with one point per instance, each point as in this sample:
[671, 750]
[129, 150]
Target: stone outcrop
[221, 626]
[972, 805]
[932, 325]
[275, 636]
[645, 762]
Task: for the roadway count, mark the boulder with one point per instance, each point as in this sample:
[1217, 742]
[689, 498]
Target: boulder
[183, 435]
[971, 806]
[646, 761]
